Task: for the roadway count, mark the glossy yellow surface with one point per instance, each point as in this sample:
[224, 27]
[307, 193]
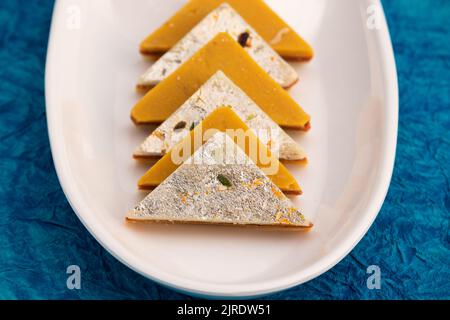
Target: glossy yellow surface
[265, 21]
[225, 54]
[221, 119]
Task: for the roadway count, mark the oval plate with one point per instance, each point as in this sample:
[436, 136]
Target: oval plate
[349, 88]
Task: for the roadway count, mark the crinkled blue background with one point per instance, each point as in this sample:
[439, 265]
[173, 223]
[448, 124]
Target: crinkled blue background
[40, 235]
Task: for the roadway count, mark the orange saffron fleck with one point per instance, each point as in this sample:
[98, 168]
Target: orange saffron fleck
[247, 185]
[285, 221]
[278, 217]
[159, 135]
[257, 182]
[277, 192]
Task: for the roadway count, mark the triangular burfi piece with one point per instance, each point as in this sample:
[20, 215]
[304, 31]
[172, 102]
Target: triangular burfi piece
[216, 92]
[221, 53]
[226, 120]
[219, 184]
[222, 19]
[266, 22]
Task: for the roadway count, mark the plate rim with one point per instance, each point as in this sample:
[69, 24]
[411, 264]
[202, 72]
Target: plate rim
[200, 289]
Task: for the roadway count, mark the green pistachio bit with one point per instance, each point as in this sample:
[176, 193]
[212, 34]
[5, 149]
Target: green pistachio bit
[224, 180]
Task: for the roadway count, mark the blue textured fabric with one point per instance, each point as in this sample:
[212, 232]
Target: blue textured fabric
[40, 235]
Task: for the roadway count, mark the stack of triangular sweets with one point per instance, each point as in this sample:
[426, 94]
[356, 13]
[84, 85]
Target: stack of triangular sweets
[219, 92]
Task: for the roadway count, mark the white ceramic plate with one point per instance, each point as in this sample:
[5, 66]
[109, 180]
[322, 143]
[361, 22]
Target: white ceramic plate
[350, 89]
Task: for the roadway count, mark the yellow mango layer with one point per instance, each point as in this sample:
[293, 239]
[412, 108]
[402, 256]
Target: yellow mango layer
[225, 54]
[221, 119]
[267, 23]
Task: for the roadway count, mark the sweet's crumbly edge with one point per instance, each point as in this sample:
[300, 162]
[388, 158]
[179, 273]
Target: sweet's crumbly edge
[157, 53]
[289, 57]
[292, 84]
[275, 227]
[290, 193]
[305, 128]
[141, 157]
[139, 123]
[144, 88]
[147, 157]
[152, 54]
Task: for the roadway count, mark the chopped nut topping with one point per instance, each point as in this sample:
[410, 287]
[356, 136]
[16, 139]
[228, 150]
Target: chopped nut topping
[224, 180]
[180, 125]
[285, 221]
[278, 216]
[159, 134]
[251, 117]
[257, 182]
[193, 125]
[244, 39]
[277, 192]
